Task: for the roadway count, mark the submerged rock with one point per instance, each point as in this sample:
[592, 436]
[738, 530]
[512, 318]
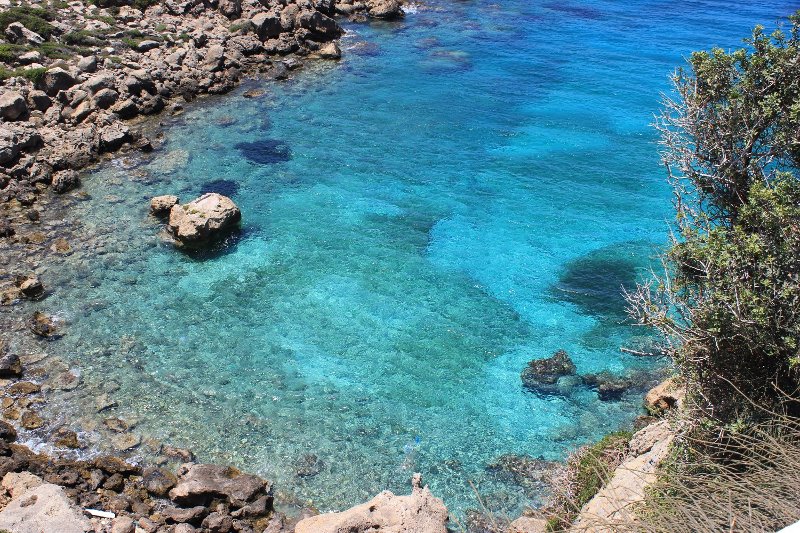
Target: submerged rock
[30, 286]
[43, 325]
[542, 375]
[419, 512]
[203, 220]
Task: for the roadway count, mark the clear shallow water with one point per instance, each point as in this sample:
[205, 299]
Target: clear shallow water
[464, 192]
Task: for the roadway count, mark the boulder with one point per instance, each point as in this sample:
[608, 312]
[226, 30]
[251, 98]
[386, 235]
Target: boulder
[147, 45]
[56, 79]
[30, 286]
[19, 34]
[202, 220]
[44, 507]
[113, 136]
[419, 512]
[43, 325]
[385, 9]
[65, 180]
[160, 206]
[542, 375]
[105, 98]
[527, 524]
[198, 484]
[330, 50]
[158, 481]
[230, 8]
[321, 27]
[12, 105]
[10, 366]
[88, 63]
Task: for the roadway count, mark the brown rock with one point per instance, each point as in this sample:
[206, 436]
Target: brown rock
[30, 286]
[203, 219]
[193, 515]
[218, 523]
[61, 246]
[24, 388]
[160, 206]
[198, 484]
[665, 396]
[67, 438]
[31, 420]
[158, 481]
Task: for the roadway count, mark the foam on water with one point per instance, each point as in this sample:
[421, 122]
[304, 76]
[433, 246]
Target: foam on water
[464, 192]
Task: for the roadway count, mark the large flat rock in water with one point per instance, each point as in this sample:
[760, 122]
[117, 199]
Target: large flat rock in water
[38, 508]
[419, 512]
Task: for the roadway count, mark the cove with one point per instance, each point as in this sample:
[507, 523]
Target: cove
[466, 191]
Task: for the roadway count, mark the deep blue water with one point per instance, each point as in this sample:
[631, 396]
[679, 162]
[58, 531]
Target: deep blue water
[466, 191]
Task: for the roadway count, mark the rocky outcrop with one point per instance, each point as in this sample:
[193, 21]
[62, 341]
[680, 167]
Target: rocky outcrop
[543, 375]
[419, 512]
[160, 206]
[667, 395]
[36, 506]
[203, 220]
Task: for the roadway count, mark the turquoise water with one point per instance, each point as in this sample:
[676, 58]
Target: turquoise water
[466, 191]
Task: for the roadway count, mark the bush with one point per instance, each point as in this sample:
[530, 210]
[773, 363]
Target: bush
[728, 302]
[83, 38]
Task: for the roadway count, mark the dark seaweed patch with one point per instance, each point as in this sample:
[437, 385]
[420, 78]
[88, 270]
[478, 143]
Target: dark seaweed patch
[224, 187]
[595, 282]
[265, 151]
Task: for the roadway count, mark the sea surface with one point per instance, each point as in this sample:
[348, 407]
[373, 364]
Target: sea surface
[467, 190]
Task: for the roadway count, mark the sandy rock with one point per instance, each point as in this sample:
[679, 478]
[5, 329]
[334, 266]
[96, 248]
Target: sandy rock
[203, 219]
[160, 206]
[419, 512]
[16, 483]
[198, 484]
[123, 524]
[12, 105]
[330, 50]
[30, 286]
[41, 508]
[664, 396]
[526, 524]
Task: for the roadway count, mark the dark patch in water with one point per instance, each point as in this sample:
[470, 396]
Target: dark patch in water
[224, 187]
[365, 49]
[575, 11]
[265, 151]
[595, 282]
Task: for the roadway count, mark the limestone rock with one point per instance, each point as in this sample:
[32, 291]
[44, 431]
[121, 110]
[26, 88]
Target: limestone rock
[30, 286]
[267, 25]
[12, 105]
[527, 524]
[203, 219]
[42, 508]
[198, 484]
[160, 206]
[419, 512]
[330, 50]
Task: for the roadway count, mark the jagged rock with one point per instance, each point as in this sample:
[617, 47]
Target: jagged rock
[542, 375]
[126, 109]
[12, 105]
[39, 508]
[160, 206]
[19, 34]
[610, 387]
[10, 366]
[56, 79]
[218, 523]
[7, 432]
[267, 25]
[385, 9]
[198, 484]
[112, 137]
[65, 180]
[123, 524]
[231, 8]
[67, 438]
[16, 138]
[31, 420]
[215, 58]
[6, 229]
[420, 512]
[39, 100]
[203, 219]
[321, 27]
[24, 388]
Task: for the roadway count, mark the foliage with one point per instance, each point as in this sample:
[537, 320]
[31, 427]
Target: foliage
[83, 38]
[728, 302]
[35, 19]
[583, 475]
[35, 75]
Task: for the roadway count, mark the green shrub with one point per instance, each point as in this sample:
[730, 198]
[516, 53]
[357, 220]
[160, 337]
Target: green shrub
[83, 38]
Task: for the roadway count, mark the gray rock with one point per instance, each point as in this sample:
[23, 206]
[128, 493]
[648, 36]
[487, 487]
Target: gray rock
[385, 9]
[231, 8]
[330, 50]
[12, 105]
[19, 34]
[144, 46]
[105, 98]
[99, 82]
[126, 109]
[321, 27]
[39, 100]
[55, 80]
[215, 58]
[112, 137]
[87, 64]
[28, 58]
[218, 523]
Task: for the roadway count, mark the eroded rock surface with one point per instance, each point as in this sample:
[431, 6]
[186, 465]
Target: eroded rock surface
[203, 220]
